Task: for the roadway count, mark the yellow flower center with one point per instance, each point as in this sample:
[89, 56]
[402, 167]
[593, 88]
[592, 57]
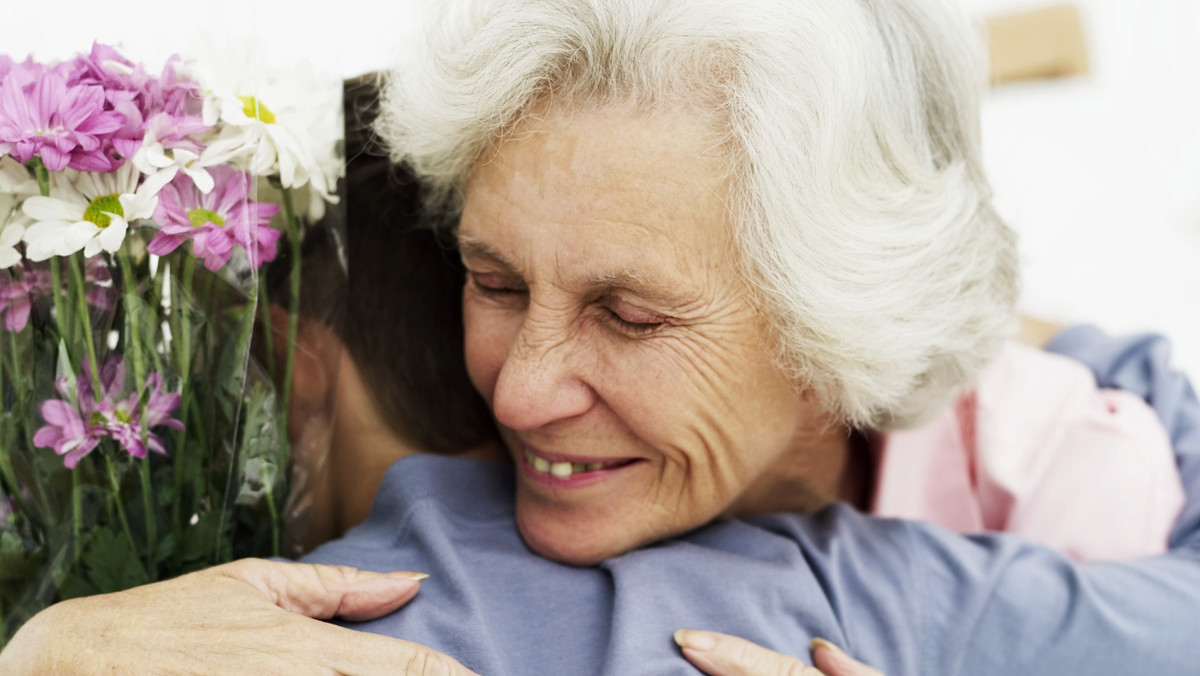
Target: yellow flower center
[199, 217]
[97, 212]
[257, 109]
[122, 416]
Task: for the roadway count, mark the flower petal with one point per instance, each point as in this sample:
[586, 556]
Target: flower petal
[50, 209]
[111, 237]
[77, 236]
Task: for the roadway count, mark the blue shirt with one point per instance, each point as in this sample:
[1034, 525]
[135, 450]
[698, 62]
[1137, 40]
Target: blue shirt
[905, 597]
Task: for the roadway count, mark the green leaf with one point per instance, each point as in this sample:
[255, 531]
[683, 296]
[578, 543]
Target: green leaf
[231, 367]
[16, 563]
[258, 464]
[73, 586]
[111, 562]
[200, 538]
[166, 547]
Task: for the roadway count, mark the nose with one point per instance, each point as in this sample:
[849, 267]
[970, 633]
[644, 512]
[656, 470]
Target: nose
[541, 381]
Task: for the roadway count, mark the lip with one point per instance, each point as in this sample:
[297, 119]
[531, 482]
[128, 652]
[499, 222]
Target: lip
[579, 480]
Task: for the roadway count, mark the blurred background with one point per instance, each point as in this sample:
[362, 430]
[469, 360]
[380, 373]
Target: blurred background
[1091, 131]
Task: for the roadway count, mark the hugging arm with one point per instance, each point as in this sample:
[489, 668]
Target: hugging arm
[923, 600]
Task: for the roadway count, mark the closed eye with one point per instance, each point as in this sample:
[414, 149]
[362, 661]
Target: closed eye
[496, 285]
[632, 320]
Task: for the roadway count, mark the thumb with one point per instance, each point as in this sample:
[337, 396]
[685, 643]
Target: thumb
[322, 592]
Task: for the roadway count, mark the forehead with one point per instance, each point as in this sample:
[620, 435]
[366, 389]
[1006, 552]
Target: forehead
[606, 192]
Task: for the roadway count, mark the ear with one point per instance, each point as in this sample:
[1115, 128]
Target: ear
[316, 357]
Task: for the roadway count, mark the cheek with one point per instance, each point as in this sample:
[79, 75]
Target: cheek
[488, 334]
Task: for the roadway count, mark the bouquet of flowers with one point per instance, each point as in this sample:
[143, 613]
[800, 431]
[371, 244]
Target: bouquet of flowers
[140, 437]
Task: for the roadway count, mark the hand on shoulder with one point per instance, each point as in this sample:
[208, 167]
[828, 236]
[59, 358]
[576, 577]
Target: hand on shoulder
[247, 617]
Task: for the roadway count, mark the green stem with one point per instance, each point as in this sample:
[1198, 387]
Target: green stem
[139, 378]
[133, 298]
[151, 518]
[12, 486]
[274, 513]
[294, 239]
[7, 338]
[116, 497]
[35, 487]
[60, 315]
[293, 302]
[181, 285]
[77, 511]
[42, 174]
[85, 320]
[264, 307]
[43, 181]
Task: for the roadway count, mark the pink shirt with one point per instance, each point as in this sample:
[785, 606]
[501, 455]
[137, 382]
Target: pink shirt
[1036, 449]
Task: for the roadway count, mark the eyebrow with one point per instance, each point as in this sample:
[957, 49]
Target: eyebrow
[471, 247]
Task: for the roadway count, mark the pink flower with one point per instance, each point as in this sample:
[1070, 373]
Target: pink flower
[75, 429]
[215, 221]
[168, 107]
[66, 432]
[29, 282]
[123, 80]
[40, 114]
[18, 293]
[121, 418]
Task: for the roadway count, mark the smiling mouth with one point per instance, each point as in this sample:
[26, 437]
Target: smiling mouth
[566, 470]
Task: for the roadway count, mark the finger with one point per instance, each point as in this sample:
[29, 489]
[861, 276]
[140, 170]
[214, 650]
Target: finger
[724, 655]
[360, 653]
[322, 592]
[834, 661]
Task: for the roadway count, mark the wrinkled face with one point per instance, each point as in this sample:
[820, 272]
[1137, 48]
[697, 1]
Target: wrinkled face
[607, 327]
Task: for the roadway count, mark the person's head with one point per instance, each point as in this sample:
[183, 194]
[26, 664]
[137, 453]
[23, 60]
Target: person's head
[379, 367]
[703, 239]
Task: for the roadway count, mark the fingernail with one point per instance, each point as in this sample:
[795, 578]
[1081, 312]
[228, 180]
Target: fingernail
[695, 640]
[405, 575]
[822, 643]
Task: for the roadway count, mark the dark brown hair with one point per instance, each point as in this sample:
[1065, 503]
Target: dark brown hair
[398, 306]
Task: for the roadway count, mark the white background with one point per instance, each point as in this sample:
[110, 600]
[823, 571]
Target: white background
[1100, 174]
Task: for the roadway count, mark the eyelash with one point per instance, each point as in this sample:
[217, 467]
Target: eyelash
[624, 325]
[494, 291]
[636, 328]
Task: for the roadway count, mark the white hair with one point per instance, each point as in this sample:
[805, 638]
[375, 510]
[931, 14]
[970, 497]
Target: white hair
[851, 129]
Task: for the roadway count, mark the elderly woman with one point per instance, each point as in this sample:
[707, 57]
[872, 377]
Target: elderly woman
[712, 252]
[711, 248]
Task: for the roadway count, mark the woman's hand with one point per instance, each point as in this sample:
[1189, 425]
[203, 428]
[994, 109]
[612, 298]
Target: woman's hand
[246, 617]
[723, 655]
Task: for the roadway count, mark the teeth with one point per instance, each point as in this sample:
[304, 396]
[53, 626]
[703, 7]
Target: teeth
[561, 470]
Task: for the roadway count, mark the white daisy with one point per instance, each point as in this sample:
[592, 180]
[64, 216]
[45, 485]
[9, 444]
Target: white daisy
[86, 210]
[15, 185]
[160, 165]
[285, 123]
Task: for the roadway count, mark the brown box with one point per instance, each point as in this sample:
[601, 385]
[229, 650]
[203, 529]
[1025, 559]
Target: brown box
[1042, 43]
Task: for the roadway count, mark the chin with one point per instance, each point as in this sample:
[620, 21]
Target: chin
[575, 542]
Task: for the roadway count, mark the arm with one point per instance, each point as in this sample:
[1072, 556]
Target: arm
[914, 598]
[1139, 365]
